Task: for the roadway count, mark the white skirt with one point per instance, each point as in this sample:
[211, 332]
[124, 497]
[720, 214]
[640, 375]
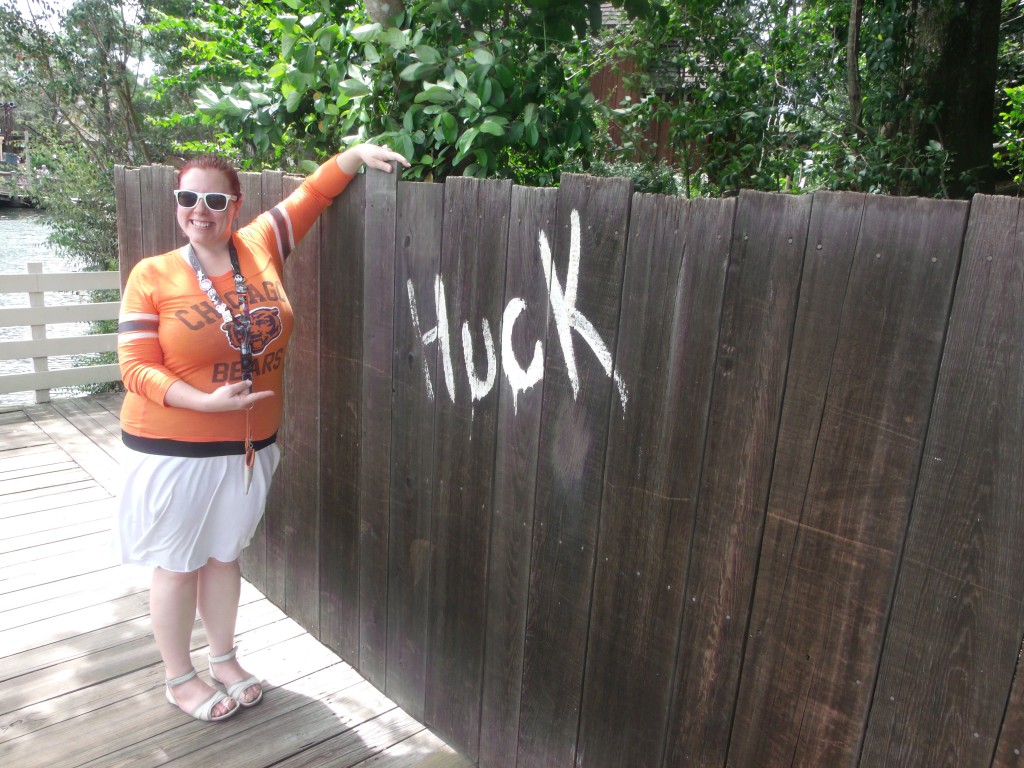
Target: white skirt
[177, 512]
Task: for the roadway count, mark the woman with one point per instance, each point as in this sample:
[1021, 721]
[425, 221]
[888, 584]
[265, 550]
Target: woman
[202, 338]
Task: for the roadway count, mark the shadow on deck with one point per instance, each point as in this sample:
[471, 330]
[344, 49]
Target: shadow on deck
[80, 677]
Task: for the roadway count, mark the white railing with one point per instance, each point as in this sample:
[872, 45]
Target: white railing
[40, 348]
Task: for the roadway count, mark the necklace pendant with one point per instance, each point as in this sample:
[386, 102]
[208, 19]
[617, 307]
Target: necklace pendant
[205, 284]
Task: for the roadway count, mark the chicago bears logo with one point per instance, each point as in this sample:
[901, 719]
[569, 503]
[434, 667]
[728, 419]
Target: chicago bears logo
[266, 326]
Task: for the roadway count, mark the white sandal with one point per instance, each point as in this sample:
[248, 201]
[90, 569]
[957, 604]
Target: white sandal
[235, 690]
[203, 711]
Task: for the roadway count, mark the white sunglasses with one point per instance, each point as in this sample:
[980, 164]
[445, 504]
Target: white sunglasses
[215, 201]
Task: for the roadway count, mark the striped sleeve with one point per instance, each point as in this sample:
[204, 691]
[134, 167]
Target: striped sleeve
[282, 227]
[138, 345]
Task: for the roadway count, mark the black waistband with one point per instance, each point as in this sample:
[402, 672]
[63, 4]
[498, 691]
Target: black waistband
[165, 447]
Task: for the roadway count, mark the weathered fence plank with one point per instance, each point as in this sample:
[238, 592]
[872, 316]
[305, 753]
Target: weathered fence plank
[671, 306]
[815, 641]
[299, 482]
[254, 557]
[341, 381]
[953, 641]
[133, 248]
[154, 239]
[420, 216]
[121, 206]
[580, 396]
[525, 339]
[831, 244]
[473, 257]
[281, 510]
[375, 423]
[757, 321]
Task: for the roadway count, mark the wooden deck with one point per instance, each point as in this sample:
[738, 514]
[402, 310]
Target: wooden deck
[80, 677]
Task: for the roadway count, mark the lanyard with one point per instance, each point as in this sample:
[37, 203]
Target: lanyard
[242, 322]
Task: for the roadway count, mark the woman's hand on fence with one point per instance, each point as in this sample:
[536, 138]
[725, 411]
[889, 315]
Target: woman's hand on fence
[371, 155]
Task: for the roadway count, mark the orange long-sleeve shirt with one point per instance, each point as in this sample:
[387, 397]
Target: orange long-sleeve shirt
[168, 331]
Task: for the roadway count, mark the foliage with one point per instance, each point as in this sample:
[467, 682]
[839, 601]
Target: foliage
[652, 177]
[476, 88]
[83, 102]
[79, 195]
[754, 96]
[1010, 152]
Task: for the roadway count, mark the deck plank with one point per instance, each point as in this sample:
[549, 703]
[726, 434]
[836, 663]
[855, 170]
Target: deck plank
[80, 676]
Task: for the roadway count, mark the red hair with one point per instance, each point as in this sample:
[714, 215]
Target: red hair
[213, 163]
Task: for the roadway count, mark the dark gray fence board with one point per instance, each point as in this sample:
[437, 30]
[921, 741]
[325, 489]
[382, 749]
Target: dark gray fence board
[420, 217]
[120, 205]
[814, 647]
[574, 431]
[474, 250]
[133, 246]
[757, 321]
[341, 353]
[254, 557]
[953, 642]
[276, 520]
[831, 244]
[375, 423]
[515, 472]
[154, 212]
[672, 299]
[299, 478]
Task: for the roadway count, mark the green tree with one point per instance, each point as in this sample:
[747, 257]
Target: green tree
[881, 95]
[82, 84]
[479, 88]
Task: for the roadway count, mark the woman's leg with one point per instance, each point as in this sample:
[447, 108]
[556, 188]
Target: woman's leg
[220, 585]
[172, 607]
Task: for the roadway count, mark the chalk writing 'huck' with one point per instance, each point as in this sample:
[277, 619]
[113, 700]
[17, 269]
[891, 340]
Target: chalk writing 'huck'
[567, 317]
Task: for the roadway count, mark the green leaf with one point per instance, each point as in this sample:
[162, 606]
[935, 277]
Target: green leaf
[436, 94]
[417, 71]
[449, 127]
[353, 88]
[492, 127]
[466, 140]
[366, 33]
[327, 37]
[394, 37]
[483, 57]
[293, 100]
[405, 146]
[428, 55]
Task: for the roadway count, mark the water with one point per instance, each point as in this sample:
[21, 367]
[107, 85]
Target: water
[23, 239]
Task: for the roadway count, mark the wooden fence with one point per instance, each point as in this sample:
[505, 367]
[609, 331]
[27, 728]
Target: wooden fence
[40, 348]
[582, 477]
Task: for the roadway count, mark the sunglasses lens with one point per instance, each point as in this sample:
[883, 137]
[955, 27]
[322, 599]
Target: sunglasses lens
[186, 199]
[215, 201]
